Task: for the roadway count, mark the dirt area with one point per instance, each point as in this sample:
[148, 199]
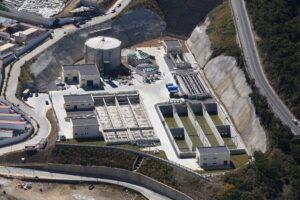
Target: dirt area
[157, 42]
[51, 140]
[48, 191]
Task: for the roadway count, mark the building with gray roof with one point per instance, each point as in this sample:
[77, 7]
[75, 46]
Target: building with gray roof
[217, 157]
[78, 102]
[85, 128]
[85, 75]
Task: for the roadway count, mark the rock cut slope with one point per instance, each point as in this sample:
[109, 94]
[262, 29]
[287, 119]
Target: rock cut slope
[229, 83]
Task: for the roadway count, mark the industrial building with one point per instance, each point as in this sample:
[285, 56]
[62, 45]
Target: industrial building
[78, 102]
[22, 37]
[13, 125]
[85, 75]
[4, 134]
[146, 69]
[105, 52]
[5, 109]
[85, 128]
[213, 157]
[137, 57]
[173, 50]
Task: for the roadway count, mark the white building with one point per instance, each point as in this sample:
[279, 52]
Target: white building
[85, 128]
[213, 157]
[24, 36]
[86, 75]
[10, 116]
[13, 125]
[79, 102]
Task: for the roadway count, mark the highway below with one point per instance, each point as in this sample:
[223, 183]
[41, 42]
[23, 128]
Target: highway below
[255, 67]
[12, 82]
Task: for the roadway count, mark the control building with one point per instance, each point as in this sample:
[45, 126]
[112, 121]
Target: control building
[86, 75]
[213, 157]
[78, 102]
[105, 52]
[85, 127]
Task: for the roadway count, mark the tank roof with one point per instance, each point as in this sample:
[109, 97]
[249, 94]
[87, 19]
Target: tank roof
[102, 42]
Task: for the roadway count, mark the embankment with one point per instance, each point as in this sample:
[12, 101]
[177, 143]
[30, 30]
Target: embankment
[229, 83]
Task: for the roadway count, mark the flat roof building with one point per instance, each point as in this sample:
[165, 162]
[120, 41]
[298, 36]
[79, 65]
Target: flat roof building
[172, 46]
[14, 125]
[213, 157]
[6, 134]
[10, 116]
[86, 75]
[78, 102]
[85, 127]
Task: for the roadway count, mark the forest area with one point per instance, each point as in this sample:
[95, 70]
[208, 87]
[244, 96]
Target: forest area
[275, 174]
[277, 23]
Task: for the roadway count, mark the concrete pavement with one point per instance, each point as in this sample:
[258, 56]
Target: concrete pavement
[29, 173]
[254, 65]
[58, 34]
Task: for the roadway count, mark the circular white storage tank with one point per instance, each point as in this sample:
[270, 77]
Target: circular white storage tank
[105, 52]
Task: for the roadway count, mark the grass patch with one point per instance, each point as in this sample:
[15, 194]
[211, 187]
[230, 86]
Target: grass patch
[216, 119]
[239, 160]
[207, 130]
[221, 31]
[171, 122]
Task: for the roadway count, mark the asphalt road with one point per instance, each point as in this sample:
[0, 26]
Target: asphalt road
[58, 34]
[29, 173]
[255, 68]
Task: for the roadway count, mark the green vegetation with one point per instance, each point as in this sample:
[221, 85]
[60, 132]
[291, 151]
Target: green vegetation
[171, 122]
[207, 130]
[274, 175]
[191, 131]
[216, 119]
[183, 147]
[277, 23]
[229, 143]
[101, 142]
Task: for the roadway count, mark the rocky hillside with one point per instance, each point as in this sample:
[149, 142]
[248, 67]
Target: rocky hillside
[229, 83]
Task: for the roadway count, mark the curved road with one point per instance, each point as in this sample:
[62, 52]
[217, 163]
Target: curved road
[12, 83]
[255, 68]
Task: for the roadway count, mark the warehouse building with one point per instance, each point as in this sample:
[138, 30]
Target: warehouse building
[78, 102]
[4, 134]
[4, 109]
[13, 125]
[85, 128]
[10, 116]
[86, 75]
[213, 157]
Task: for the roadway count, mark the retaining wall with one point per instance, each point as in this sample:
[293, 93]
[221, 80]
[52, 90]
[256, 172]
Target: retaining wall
[114, 174]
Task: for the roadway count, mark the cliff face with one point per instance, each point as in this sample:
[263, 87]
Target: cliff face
[133, 27]
[229, 83]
